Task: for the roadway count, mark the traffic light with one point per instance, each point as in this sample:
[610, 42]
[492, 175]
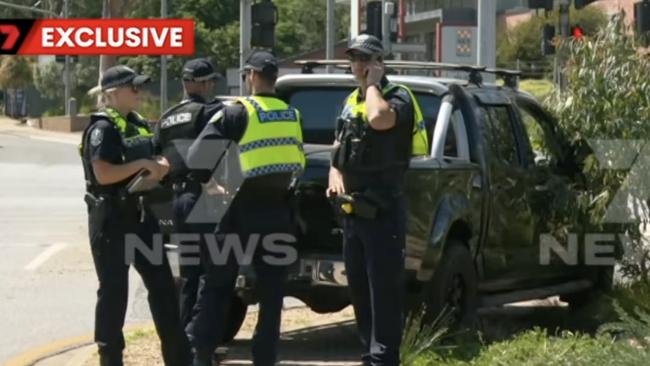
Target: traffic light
[579, 4]
[264, 16]
[540, 4]
[548, 34]
[577, 32]
[642, 18]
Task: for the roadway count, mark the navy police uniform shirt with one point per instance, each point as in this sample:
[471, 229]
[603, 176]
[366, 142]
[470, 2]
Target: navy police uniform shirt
[173, 135]
[103, 142]
[402, 134]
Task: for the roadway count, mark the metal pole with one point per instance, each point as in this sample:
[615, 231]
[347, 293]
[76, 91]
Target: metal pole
[385, 26]
[354, 18]
[163, 66]
[561, 53]
[331, 33]
[487, 34]
[66, 68]
[244, 36]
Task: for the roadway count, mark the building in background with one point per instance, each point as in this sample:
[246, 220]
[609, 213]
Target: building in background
[448, 28]
[609, 7]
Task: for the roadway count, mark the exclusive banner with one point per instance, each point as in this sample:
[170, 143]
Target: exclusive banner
[97, 36]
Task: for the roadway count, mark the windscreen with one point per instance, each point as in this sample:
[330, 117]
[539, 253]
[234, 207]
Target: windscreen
[320, 107]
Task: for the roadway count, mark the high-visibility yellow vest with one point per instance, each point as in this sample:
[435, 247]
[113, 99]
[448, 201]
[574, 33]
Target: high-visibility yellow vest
[272, 142]
[420, 139]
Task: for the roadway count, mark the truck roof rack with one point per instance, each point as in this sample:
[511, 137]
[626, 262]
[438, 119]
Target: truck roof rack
[510, 77]
[308, 66]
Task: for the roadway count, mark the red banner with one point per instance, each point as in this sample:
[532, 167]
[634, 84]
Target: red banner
[97, 36]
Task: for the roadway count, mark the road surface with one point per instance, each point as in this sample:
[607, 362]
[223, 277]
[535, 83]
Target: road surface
[47, 280]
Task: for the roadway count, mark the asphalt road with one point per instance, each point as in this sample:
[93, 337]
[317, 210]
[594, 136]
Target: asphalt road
[47, 280]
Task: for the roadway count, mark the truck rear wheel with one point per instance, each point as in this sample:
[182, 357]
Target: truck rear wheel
[453, 287]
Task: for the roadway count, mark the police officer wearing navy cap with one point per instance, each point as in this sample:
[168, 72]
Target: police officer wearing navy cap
[116, 145]
[176, 130]
[380, 128]
[269, 137]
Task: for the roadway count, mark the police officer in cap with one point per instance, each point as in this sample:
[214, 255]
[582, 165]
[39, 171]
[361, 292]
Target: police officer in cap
[379, 129]
[176, 130]
[269, 137]
[116, 145]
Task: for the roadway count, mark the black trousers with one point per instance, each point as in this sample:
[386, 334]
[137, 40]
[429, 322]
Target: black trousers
[111, 254]
[191, 269]
[374, 263]
[215, 294]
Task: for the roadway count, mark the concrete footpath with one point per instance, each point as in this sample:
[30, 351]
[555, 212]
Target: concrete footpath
[12, 126]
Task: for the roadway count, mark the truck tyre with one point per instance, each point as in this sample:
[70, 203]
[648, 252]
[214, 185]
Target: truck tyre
[235, 319]
[453, 287]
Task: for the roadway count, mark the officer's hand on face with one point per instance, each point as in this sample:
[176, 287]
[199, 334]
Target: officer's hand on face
[374, 72]
[335, 186]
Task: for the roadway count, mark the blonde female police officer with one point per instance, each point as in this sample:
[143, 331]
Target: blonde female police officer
[269, 137]
[115, 146]
[381, 127]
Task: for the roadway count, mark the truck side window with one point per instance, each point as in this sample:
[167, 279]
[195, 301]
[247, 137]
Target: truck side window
[541, 151]
[502, 134]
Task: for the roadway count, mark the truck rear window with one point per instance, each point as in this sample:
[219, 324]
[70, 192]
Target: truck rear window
[321, 106]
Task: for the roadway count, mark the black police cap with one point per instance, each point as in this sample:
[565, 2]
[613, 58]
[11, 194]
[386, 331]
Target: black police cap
[121, 75]
[366, 43]
[199, 69]
[262, 61]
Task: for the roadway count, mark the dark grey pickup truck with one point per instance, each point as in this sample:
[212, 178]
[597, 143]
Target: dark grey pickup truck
[498, 182]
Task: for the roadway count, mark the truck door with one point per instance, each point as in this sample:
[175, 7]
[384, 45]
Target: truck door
[510, 256]
[551, 191]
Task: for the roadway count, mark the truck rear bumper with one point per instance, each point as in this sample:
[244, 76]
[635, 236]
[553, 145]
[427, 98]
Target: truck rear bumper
[307, 272]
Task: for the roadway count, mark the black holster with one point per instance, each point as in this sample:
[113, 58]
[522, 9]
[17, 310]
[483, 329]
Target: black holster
[99, 210]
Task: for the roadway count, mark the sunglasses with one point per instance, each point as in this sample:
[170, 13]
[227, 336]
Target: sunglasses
[359, 57]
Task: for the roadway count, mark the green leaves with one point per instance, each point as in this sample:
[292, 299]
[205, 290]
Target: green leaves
[15, 72]
[606, 99]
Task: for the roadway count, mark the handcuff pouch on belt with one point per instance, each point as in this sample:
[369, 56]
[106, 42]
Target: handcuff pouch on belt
[366, 205]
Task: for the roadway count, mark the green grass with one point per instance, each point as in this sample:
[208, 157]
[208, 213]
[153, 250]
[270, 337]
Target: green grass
[138, 334]
[536, 347]
[622, 339]
[538, 88]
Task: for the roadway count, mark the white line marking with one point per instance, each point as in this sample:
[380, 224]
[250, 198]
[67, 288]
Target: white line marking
[44, 256]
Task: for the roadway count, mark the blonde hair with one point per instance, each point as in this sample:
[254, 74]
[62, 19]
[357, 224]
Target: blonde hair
[105, 98]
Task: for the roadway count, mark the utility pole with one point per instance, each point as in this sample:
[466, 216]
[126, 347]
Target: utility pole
[487, 34]
[560, 59]
[244, 36]
[387, 9]
[355, 10]
[66, 68]
[331, 34]
[163, 66]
